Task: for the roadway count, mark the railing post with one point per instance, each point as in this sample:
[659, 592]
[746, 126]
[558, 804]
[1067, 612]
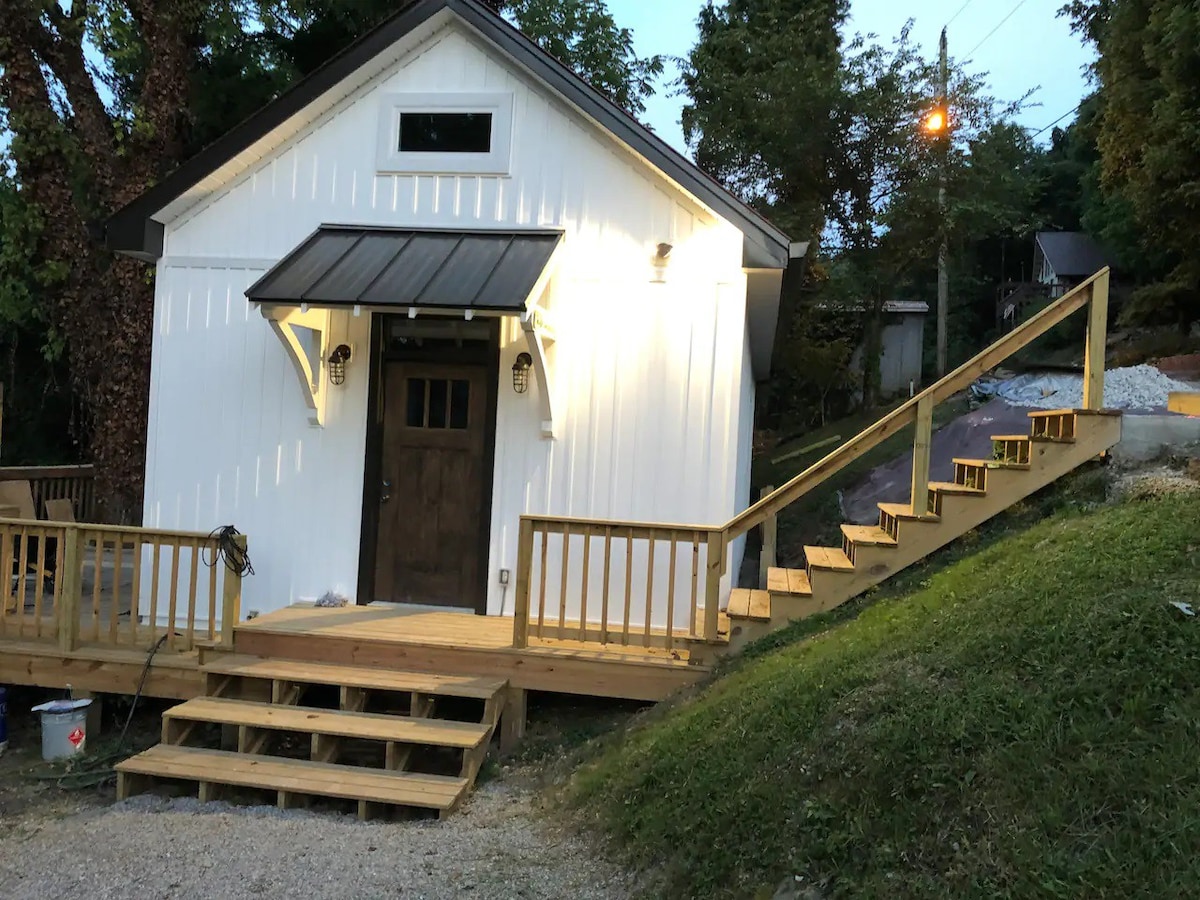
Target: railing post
[524, 584]
[1097, 336]
[69, 590]
[920, 467]
[770, 533]
[714, 568]
[231, 597]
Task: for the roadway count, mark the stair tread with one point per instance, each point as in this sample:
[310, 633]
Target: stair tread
[868, 534]
[367, 726]
[357, 677]
[990, 463]
[1043, 413]
[301, 776]
[788, 581]
[745, 603]
[948, 487]
[905, 511]
[828, 558]
[1033, 438]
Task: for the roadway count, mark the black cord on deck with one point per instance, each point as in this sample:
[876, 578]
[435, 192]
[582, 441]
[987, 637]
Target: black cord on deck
[236, 558]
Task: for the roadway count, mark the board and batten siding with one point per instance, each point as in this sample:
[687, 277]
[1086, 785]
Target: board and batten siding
[652, 380]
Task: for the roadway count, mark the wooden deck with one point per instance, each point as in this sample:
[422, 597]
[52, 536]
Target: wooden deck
[407, 639]
[437, 641]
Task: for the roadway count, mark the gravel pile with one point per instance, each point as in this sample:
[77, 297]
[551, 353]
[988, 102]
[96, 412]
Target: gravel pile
[1134, 387]
[148, 848]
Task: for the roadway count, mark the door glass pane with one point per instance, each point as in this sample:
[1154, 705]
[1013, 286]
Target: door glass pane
[460, 402]
[437, 402]
[415, 417]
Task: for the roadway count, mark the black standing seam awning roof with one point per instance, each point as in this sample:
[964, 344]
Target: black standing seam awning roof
[405, 267]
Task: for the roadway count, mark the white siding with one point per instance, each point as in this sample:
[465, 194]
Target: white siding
[653, 380]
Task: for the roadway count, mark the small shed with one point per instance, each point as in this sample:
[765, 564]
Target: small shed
[439, 284]
[903, 343]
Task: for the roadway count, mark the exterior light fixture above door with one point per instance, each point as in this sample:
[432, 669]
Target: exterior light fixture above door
[520, 371]
[662, 256]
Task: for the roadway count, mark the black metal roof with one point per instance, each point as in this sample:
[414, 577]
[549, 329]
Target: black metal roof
[405, 267]
[1072, 254]
[134, 231]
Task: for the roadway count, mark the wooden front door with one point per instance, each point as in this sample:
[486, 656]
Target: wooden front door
[432, 494]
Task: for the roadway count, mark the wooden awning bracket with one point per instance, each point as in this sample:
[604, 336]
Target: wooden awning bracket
[538, 334]
[309, 362]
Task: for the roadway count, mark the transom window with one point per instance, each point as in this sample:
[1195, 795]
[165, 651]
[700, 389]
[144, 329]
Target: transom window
[445, 132]
[438, 403]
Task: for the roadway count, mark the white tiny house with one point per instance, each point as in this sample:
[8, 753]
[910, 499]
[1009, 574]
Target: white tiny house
[438, 285]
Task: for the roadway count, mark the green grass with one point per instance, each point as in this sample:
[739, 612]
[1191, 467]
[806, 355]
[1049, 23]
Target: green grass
[1022, 723]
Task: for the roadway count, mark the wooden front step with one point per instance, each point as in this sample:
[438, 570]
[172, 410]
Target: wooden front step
[291, 778]
[831, 558]
[793, 582]
[333, 723]
[749, 604]
[254, 668]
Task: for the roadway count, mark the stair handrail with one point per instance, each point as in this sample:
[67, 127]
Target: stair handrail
[1093, 288]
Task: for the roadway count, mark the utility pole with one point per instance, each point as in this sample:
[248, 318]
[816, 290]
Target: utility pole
[943, 279]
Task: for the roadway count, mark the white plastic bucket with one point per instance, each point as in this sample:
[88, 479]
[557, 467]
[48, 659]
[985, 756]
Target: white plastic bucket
[64, 728]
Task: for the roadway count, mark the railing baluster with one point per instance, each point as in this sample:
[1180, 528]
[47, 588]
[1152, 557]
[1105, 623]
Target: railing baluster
[155, 576]
[649, 593]
[7, 601]
[22, 578]
[97, 583]
[541, 620]
[212, 592]
[604, 593]
[562, 595]
[694, 628]
[671, 592]
[583, 596]
[114, 613]
[171, 599]
[192, 598]
[135, 591]
[628, 587]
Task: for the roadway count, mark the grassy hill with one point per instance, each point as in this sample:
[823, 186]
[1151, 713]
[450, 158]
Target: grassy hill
[1023, 723]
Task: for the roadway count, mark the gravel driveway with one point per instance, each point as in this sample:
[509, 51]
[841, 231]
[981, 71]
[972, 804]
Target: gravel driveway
[146, 848]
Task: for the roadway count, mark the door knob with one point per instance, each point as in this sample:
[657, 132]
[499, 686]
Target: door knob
[386, 495]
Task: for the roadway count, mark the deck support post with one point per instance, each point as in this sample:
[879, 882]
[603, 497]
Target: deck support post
[920, 466]
[231, 598]
[524, 588]
[67, 612]
[1097, 338]
[512, 720]
[714, 569]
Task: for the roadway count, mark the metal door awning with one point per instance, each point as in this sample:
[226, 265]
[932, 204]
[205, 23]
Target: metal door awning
[406, 268]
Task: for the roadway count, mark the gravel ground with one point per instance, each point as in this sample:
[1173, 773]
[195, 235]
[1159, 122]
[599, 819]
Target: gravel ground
[497, 846]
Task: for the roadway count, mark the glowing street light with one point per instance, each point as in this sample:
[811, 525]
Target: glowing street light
[935, 122]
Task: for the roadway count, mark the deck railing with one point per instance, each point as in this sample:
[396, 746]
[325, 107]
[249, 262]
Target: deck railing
[74, 483]
[537, 616]
[97, 585]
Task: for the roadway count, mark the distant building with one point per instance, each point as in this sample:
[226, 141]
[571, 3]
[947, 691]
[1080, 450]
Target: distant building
[1062, 259]
[901, 344]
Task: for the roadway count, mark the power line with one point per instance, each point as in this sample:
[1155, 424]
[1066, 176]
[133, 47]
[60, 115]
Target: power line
[1060, 118]
[1011, 13]
[960, 11]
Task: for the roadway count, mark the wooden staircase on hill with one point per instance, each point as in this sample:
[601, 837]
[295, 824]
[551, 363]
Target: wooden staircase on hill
[297, 731]
[574, 581]
[1060, 440]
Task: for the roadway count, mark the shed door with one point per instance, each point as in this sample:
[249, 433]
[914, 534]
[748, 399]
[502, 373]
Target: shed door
[432, 492]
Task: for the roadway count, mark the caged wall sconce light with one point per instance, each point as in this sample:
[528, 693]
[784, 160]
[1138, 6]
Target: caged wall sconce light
[520, 371]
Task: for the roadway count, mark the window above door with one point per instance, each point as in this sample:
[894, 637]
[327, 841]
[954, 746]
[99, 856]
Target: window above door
[446, 133]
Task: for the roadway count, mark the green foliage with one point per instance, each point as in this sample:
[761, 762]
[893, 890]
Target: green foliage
[761, 82]
[1148, 135]
[1021, 724]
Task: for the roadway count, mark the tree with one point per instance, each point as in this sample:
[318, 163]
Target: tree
[1148, 135]
[761, 82]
